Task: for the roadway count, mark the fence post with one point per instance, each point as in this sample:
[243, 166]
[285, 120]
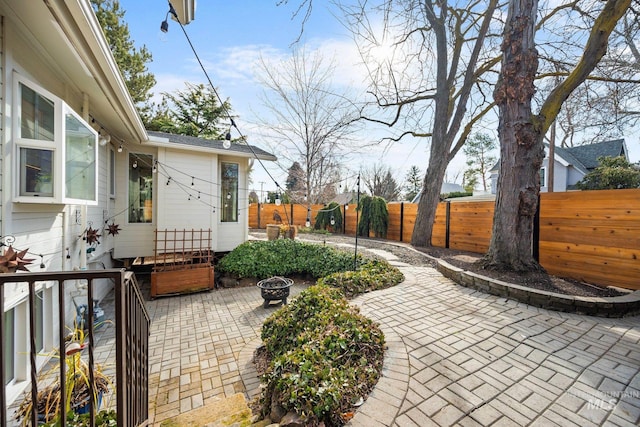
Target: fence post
[291, 210]
[401, 220]
[536, 232]
[344, 219]
[259, 216]
[447, 224]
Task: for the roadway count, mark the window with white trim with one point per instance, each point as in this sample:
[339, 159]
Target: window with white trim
[543, 177]
[112, 173]
[229, 192]
[57, 150]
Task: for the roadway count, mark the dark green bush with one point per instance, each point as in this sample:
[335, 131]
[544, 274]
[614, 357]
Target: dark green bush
[370, 276]
[284, 257]
[324, 356]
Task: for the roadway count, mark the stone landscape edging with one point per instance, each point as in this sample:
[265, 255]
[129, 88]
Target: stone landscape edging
[619, 306]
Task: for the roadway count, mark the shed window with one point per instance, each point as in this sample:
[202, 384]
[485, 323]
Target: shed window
[229, 196]
[140, 188]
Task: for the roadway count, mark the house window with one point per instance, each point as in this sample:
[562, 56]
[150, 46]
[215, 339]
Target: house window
[36, 172]
[543, 177]
[9, 346]
[140, 188]
[229, 192]
[80, 159]
[112, 173]
[56, 150]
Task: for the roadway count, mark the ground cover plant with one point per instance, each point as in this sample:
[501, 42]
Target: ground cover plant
[325, 357]
[320, 355]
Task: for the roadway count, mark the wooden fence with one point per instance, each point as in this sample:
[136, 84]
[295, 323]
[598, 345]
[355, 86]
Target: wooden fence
[587, 235]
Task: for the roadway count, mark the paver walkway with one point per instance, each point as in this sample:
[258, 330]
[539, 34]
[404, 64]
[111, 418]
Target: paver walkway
[456, 357]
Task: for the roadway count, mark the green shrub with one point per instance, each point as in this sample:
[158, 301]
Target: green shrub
[371, 275]
[324, 356]
[284, 257]
[323, 218]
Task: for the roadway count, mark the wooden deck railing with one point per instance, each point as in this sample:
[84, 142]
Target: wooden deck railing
[131, 324]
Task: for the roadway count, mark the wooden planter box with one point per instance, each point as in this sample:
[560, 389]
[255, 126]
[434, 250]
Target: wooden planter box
[182, 279]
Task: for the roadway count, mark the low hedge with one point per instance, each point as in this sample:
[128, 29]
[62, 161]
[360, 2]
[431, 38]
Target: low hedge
[284, 257]
[325, 356]
[372, 275]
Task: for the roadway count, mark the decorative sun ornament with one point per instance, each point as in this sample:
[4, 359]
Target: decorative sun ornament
[13, 261]
[92, 236]
[113, 229]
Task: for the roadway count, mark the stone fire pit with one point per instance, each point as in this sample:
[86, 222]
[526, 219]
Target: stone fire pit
[274, 289]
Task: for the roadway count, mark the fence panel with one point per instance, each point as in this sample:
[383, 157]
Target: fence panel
[470, 226]
[592, 236]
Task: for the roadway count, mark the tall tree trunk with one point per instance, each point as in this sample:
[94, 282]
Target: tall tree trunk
[430, 196]
[521, 146]
[521, 134]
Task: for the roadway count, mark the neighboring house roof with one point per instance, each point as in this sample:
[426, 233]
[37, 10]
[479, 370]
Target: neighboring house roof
[588, 154]
[585, 157]
[164, 139]
[447, 187]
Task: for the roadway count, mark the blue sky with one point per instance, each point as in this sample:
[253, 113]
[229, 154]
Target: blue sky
[230, 36]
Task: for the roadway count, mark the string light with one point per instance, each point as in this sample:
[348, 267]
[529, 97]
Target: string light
[135, 164]
[120, 149]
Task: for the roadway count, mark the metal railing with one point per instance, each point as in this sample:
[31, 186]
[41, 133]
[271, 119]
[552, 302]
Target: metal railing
[131, 324]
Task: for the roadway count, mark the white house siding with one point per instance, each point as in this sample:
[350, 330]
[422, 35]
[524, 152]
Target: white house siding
[231, 234]
[133, 240]
[45, 229]
[181, 207]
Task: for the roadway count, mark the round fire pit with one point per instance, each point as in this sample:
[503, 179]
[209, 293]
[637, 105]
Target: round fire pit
[274, 289]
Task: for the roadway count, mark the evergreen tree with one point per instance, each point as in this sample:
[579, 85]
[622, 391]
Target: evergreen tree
[613, 173]
[479, 159]
[193, 112]
[413, 183]
[131, 61]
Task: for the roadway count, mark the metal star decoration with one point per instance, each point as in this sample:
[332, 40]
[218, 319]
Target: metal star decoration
[92, 236]
[12, 261]
[113, 229]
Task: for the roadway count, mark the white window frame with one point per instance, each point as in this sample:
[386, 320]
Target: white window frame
[57, 147]
[543, 174]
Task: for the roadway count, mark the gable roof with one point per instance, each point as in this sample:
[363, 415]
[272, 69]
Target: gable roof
[169, 140]
[588, 154]
[585, 157]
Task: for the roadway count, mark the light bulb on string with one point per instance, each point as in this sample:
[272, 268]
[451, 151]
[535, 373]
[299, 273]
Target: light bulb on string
[120, 149]
[333, 220]
[155, 167]
[228, 195]
[307, 222]
[135, 164]
[192, 183]
[227, 140]
[278, 201]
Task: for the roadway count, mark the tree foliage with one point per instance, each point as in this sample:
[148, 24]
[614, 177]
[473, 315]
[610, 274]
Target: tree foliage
[374, 216]
[612, 173]
[309, 122]
[194, 111]
[328, 215]
[413, 183]
[131, 61]
[380, 182]
[478, 151]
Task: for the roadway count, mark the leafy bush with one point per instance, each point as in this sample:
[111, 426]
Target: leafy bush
[374, 216]
[372, 275]
[323, 218]
[324, 356]
[284, 257]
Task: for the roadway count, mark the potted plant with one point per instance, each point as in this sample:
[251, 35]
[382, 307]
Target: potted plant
[77, 380]
[288, 231]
